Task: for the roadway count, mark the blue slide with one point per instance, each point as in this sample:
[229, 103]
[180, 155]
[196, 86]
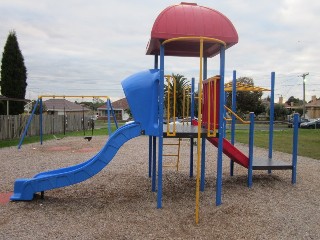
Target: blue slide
[25, 188]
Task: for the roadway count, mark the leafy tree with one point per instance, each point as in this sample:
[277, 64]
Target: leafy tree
[181, 84]
[13, 74]
[94, 105]
[280, 112]
[247, 101]
[296, 101]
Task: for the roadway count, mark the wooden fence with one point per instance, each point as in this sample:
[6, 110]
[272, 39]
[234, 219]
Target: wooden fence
[12, 127]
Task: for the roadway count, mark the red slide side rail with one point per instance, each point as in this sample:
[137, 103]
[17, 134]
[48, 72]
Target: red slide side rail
[232, 152]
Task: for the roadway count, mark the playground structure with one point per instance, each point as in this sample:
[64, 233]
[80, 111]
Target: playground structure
[183, 30]
[39, 102]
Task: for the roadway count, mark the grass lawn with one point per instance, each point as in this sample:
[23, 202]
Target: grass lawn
[308, 140]
[96, 132]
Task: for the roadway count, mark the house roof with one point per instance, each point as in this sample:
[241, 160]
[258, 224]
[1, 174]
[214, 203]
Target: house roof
[63, 104]
[315, 103]
[119, 104]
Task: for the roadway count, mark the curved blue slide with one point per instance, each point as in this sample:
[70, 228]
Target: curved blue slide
[25, 188]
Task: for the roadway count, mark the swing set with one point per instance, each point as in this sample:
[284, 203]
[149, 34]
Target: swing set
[90, 122]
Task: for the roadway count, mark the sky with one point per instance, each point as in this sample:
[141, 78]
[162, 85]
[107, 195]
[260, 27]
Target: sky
[77, 47]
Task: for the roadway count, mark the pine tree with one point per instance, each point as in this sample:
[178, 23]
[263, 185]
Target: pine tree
[13, 74]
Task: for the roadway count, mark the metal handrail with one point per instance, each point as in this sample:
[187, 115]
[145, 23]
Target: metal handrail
[237, 116]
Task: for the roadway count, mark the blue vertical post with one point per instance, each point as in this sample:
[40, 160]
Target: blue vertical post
[233, 118]
[113, 114]
[205, 68]
[154, 164]
[203, 139]
[220, 140]
[295, 147]
[151, 153]
[191, 158]
[40, 121]
[271, 117]
[160, 143]
[28, 124]
[192, 117]
[150, 157]
[108, 103]
[251, 142]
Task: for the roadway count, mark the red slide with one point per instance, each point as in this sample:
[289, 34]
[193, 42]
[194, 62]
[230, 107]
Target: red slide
[231, 151]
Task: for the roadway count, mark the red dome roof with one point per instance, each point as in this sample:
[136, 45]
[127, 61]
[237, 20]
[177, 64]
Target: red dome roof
[189, 19]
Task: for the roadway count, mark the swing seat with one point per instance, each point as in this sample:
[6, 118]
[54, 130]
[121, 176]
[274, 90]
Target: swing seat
[56, 138]
[88, 138]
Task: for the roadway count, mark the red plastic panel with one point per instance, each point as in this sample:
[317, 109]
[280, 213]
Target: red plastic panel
[214, 105]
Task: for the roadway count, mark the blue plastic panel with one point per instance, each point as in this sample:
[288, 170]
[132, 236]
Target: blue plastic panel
[141, 90]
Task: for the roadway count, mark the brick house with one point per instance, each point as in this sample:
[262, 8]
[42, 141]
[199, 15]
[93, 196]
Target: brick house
[313, 108]
[119, 107]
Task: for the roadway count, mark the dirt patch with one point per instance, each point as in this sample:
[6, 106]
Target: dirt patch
[59, 148]
[5, 198]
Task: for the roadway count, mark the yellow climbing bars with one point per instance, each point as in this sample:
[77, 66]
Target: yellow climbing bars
[176, 165]
[186, 104]
[242, 87]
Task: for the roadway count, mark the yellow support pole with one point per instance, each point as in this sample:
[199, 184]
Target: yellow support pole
[199, 136]
[209, 108]
[188, 102]
[215, 110]
[183, 104]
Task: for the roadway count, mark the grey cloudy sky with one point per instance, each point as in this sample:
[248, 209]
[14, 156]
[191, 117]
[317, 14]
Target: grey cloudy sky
[88, 47]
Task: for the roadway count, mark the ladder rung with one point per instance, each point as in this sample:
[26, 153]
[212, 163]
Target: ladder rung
[170, 155]
[170, 165]
[172, 144]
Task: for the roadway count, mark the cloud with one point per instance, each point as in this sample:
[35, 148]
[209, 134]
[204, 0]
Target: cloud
[80, 46]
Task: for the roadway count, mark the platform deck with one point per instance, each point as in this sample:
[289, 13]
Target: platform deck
[184, 131]
[266, 164]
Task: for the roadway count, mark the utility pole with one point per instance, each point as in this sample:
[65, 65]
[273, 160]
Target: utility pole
[304, 93]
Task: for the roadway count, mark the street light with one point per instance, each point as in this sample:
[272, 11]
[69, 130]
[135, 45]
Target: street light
[304, 93]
